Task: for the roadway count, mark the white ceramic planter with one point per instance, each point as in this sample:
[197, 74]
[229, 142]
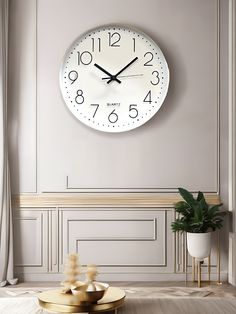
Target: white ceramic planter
[199, 244]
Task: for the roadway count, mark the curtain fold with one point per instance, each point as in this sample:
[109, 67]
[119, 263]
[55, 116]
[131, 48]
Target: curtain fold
[6, 231]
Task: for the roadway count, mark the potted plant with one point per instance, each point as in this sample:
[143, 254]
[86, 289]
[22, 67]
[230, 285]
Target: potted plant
[198, 220]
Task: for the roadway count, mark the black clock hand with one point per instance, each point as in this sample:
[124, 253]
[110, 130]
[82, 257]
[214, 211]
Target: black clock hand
[111, 76]
[131, 75]
[114, 77]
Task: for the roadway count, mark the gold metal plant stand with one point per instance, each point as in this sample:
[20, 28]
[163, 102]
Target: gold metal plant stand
[54, 300]
[196, 265]
[196, 270]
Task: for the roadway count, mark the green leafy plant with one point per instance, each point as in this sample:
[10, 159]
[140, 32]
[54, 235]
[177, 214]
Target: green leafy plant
[195, 215]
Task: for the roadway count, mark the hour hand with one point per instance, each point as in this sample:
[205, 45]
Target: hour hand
[112, 77]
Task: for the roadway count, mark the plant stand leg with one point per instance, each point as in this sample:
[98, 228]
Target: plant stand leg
[218, 258]
[209, 268]
[193, 269]
[199, 274]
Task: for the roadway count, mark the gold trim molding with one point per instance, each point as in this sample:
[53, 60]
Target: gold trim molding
[137, 200]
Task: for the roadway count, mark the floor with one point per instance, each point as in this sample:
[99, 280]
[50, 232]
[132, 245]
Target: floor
[145, 300]
[219, 290]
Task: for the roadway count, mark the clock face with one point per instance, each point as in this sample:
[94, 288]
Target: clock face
[114, 78]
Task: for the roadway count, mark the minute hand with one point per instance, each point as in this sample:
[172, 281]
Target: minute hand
[115, 76]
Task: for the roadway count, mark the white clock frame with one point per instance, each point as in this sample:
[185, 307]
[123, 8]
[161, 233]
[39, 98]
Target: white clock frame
[114, 102]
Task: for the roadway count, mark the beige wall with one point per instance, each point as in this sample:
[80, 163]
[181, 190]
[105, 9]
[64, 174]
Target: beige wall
[185, 144]
[178, 147]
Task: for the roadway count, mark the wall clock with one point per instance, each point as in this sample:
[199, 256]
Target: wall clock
[114, 78]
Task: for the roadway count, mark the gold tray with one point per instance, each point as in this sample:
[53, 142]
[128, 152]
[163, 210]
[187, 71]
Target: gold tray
[54, 300]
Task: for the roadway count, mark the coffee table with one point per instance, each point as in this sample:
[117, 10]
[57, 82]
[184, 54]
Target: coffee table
[55, 301]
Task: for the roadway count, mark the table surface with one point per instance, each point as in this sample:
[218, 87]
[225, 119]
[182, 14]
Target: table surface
[54, 300]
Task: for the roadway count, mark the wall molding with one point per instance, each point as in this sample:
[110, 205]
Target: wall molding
[100, 200]
[123, 238]
[39, 220]
[142, 233]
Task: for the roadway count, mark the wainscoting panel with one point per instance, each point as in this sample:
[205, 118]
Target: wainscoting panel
[53, 241]
[126, 243]
[30, 240]
[94, 235]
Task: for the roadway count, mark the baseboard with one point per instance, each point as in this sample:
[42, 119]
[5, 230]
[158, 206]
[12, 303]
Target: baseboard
[124, 277]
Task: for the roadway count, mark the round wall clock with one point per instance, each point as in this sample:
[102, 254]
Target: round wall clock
[114, 78]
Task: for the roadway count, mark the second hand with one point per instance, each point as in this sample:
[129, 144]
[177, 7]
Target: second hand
[107, 78]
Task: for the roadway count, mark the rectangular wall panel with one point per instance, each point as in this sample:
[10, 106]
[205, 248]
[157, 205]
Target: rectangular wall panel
[126, 238]
[108, 229]
[30, 240]
[159, 155]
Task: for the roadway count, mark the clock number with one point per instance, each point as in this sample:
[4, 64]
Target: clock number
[114, 38]
[73, 75]
[95, 105]
[134, 111]
[156, 73]
[134, 46]
[147, 63]
[79, 99]
[113, 117]
[84, 58]
[94, 44]
[148, 97]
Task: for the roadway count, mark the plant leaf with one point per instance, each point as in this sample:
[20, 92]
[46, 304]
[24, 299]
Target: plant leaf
[214, 210]
[195, 215]
[200, 196]
[201, 199]
[181, 205]
[187, 196]
[182, 208]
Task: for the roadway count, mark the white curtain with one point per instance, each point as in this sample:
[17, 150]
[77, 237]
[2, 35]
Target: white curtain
[6, 234]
